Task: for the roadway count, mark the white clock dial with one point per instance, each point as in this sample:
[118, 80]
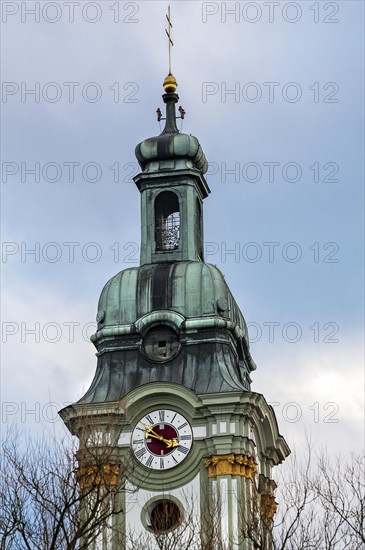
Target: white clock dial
[162, 439]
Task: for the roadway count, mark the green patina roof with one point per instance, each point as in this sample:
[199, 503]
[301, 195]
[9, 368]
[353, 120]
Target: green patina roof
[173, 300]
[189, 288]
[171, 147]
[183, 150]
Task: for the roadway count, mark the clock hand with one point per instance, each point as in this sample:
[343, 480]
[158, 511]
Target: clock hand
[171, 442]
[159, 437]
[151, 433]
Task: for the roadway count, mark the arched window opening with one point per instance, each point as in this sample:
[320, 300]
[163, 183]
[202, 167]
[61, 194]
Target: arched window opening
[167, 221]
[198, 229]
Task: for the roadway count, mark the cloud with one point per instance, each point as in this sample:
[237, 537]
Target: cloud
[315, 389]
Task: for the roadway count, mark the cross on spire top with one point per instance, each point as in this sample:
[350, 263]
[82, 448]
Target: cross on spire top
[168, 32]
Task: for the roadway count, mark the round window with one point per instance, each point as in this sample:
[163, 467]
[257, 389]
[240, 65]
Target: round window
[161, 343]
[164, 515]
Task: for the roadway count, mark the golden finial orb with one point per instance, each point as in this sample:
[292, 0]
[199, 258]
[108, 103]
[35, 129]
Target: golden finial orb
[170, 84]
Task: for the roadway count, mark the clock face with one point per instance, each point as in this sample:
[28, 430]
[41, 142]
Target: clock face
[162, 439]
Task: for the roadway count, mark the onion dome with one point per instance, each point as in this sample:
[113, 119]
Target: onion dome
[175, 322]
[171, 150]
[195, 290]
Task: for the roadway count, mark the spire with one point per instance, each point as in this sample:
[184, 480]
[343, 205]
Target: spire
[170, 85]
[170, 98]
[172, 150]
[171, 145]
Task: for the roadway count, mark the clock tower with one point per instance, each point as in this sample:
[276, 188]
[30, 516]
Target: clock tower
[170, 410]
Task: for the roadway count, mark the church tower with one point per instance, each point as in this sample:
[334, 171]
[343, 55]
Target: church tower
[170, 410]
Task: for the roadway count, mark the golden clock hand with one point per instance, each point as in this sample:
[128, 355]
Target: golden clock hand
[171, 442]
[156, 436]
[150, 431]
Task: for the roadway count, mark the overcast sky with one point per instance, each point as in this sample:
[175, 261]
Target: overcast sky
[274, 93]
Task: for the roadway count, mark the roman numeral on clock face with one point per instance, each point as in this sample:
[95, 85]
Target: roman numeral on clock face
[183, 450]
[141, 452]
[161, 439]
[182, 426]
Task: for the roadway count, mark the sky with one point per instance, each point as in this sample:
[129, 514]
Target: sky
[274, 92]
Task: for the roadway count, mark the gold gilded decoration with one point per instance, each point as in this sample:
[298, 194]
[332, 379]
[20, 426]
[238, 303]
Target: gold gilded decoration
[268, 506]
[170, 84]
[231, 464]
[106, 474]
